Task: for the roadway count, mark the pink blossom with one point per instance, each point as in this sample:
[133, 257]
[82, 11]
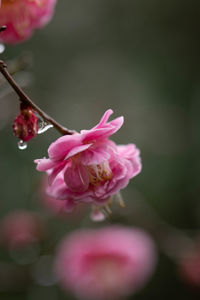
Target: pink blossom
[21, 17]
[108, 263]
[20, 228]
[88, 167]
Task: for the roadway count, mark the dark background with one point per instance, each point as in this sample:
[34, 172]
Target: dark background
[140, 58]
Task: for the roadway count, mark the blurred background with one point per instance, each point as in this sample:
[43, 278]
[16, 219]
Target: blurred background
[140, 58]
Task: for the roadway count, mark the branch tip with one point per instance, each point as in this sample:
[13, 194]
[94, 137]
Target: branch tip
[24, 99]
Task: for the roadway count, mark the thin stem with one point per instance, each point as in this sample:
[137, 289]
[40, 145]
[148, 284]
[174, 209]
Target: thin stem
[23, 98]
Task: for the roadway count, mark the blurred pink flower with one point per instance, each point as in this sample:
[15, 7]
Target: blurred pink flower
[20, 228]
[88, 167]
[23, 16]
[189, 266]
[108, 263]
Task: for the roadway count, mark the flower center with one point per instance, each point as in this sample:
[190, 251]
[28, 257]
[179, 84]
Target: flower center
[99, 173]
[108, 272]
[78, 177]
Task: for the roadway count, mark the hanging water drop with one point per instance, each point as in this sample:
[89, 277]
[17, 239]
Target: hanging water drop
[43, 127]
[22, 145]
[2, 48]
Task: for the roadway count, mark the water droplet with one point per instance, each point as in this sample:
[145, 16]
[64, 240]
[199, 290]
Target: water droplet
[43, 127]
[22, 145]
[2, 48]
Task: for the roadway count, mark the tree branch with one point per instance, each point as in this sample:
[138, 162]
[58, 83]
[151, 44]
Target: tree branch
[23, 98]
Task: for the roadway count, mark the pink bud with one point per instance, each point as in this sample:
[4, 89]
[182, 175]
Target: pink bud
[25, 125]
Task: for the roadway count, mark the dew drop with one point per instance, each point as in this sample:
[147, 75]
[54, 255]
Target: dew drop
[43, 127]
[2, 48]
[22, 145]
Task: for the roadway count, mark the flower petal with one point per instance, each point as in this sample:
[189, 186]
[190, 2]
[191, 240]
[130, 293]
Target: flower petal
[104, 119]
[56, 171]
[104, 132]
[77, 178]
[95, 156]
[61, 147]
[45, 164]
[77, 150]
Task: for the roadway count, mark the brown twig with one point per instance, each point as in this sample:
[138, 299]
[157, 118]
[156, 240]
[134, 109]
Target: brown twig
[23, 98]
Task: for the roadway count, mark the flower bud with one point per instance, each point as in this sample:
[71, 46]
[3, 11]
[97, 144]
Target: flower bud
[25, 125]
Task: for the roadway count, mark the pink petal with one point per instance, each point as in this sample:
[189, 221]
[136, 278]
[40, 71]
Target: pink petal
[56, 171]
[132, 154]
[77, 178]
[102, 133]
[103, 129]
[127, 151]
[105, 118]
[58, 189]
[77, 150]
[118, 168]
[95, 156]
[61, 147]
[45, 164]
[117, 123]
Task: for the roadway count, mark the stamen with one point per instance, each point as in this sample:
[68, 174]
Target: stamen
[99, 173]
[120, 200]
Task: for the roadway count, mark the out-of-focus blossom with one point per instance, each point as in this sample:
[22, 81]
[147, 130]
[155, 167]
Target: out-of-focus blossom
[20, 228]
[25, 125]
[21, 17]
[88, 167]
[105, 264]
[189, 266]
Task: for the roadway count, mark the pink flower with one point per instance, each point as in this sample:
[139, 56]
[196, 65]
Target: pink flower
[108, 263]
[20, 228]
[88, 167]
[23, 16]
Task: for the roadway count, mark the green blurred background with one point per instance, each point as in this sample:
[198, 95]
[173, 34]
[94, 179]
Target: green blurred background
[140, 58]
